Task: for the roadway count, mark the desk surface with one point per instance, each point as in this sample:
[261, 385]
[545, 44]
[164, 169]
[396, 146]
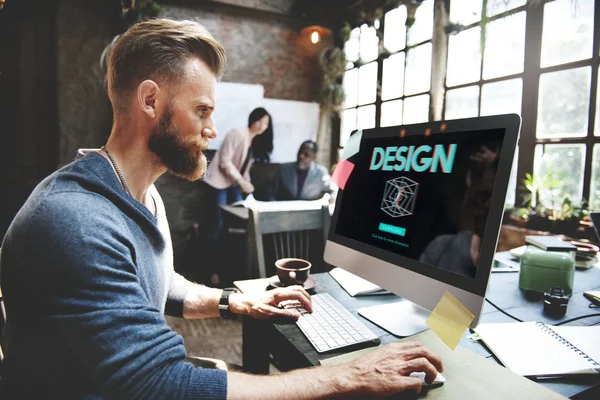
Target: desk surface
[289, 346]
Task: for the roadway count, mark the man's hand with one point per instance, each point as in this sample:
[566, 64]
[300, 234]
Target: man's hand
[378, 374]
[246, 186]
[385, 371]
[266, 305]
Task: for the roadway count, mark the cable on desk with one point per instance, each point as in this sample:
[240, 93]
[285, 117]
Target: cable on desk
[502, 311]
[577, 318]
[560, 323]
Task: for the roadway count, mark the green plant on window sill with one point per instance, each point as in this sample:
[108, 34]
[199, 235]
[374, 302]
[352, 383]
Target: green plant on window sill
[566, 212]
[558, 215]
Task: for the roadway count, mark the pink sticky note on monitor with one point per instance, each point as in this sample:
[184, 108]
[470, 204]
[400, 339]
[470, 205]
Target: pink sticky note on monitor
[342, 173]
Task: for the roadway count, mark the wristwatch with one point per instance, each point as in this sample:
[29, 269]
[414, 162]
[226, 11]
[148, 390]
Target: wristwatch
[224, 303]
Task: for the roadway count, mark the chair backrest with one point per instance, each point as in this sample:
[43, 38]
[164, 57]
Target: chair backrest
[292, 233]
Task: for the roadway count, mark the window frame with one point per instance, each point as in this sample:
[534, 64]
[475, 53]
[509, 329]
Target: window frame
[482, 23]
[532, 71]
[379, 60]
[531, 81]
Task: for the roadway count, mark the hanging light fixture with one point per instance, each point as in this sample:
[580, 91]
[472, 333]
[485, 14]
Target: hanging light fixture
[316, 33]
[315, 37]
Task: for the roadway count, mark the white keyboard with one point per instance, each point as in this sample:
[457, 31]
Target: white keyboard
[330, 326]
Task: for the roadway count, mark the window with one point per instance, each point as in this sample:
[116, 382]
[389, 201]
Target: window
[566, 160]
[595, 190]
[388, 85]
[485, 62]
[537, 59]
[573, 41]
[559, 170]
[360, 81]
[563, 103]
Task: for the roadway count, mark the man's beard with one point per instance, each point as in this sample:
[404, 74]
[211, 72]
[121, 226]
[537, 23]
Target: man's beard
[184, 159]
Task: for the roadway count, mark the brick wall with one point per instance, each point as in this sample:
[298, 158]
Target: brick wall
[85, 116]
[261, 49]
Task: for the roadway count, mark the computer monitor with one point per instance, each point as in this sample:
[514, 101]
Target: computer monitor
[421, 212]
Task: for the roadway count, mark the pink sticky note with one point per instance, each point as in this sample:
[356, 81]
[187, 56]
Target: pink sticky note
[342, 172]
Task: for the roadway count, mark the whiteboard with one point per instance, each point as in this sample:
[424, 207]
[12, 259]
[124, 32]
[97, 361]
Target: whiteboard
[293, 121]
[235, 102]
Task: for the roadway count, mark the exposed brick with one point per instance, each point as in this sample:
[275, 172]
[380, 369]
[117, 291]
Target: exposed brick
[259, 50]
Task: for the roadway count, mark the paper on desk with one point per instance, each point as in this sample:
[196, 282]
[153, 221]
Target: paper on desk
[342, 172]
[449, 320]
[468, 375]
[291, 205]
[352, 146]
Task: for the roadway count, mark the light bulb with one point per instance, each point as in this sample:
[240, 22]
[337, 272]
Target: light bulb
[315, 37]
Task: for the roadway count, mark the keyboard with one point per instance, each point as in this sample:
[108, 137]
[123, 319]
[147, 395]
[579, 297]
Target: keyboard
[330, 326]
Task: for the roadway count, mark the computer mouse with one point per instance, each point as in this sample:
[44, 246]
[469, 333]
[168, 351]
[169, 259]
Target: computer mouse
[437, 382]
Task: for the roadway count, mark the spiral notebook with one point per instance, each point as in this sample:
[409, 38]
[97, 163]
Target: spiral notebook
[539, 350]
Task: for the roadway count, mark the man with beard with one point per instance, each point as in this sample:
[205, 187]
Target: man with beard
[87, 265]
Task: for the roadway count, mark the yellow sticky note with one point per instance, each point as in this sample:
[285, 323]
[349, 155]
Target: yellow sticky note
[449, 320]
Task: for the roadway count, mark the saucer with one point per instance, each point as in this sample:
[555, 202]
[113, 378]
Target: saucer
[309, 284]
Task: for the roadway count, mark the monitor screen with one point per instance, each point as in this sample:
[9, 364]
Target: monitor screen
[424, 197]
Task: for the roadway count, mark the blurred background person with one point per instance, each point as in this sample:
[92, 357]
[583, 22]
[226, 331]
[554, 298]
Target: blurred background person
[228, 174]
[303, 179]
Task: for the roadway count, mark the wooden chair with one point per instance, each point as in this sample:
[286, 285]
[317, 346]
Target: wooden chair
[294, 233]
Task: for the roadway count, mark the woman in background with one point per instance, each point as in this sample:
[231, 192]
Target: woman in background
[228, 173]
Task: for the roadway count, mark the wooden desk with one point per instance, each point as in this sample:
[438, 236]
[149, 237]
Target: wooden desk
[290, 349]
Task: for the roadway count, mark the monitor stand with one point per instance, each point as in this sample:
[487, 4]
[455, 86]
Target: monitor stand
[402, 318]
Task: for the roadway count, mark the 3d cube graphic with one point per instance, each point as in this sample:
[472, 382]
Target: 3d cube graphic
[399, 197]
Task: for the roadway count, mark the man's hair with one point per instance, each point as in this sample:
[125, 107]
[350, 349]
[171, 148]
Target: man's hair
[310, 144]
[158, 49]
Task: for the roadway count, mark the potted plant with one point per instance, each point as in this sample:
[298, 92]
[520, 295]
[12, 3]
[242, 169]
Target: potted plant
[553, 214]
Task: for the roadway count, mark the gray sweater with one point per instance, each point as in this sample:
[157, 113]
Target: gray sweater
[86, 275]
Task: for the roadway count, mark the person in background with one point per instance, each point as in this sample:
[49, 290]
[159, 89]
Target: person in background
[303, 179]
[228, 173]
[87, 263]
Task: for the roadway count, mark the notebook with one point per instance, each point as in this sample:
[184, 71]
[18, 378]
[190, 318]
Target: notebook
[539, 350]
[355, 285]
[550, 243]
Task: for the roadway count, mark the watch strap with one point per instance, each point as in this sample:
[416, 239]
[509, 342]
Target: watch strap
[224, 310]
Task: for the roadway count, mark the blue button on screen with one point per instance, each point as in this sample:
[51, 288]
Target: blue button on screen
[394, 230]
